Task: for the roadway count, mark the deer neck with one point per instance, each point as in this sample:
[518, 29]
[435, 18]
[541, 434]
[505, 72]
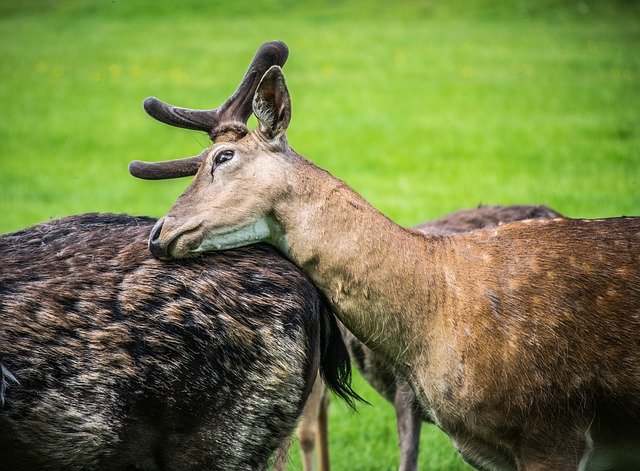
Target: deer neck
[366, 265]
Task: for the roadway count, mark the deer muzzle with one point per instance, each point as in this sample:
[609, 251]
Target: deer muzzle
[171, 238]
[158, 249]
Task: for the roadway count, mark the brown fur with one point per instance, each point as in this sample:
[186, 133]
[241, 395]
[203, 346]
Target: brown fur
[380, 374]
[520, 341]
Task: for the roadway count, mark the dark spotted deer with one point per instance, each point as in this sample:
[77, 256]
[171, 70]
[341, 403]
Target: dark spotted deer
[112, 360]
[522, 342]
[124, 362]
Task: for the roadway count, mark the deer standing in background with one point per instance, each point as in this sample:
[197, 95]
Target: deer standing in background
[521, 342]
[112, 360]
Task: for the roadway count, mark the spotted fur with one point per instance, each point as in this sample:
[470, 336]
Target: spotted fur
[127, 362]
[379, 373]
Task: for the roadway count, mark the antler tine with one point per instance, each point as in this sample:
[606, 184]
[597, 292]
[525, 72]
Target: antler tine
[167, 169]
[198, 120]
[237, 108]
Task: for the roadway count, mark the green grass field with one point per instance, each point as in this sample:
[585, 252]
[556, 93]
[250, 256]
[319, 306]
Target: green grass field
[424, 107]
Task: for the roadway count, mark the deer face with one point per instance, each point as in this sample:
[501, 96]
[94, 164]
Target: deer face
[231, 199]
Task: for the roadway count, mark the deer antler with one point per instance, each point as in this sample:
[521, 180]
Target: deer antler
[167, 169]
[232, 114]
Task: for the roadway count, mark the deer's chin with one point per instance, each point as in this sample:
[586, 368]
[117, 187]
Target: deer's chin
[183, 246]
[256, 231]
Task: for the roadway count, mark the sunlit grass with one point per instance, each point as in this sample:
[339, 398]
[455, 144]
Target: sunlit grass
[423, 107]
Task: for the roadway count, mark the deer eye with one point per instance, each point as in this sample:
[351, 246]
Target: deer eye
[223, 156]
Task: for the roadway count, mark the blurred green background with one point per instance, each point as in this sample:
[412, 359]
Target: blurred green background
[424, 107]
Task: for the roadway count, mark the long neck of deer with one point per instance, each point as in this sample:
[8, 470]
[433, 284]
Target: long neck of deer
[366, 265]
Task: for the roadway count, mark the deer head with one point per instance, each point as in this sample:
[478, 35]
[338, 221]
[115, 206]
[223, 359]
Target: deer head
[225, 123]
[238, 179]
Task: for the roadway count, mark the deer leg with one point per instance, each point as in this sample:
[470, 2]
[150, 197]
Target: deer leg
[409, 422]
[282, 455]
[551, 463]
[322, 437]
[308, 427]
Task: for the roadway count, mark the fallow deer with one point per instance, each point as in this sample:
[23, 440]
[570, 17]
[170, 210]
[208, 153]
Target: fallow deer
[312, 431]
[114, 361]
[521, 342]
[111, 360]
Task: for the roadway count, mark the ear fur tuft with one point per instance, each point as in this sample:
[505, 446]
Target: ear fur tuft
[272, 104]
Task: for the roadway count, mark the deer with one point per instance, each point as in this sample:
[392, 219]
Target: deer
[521, 342]
[312, 430]
[112, 360]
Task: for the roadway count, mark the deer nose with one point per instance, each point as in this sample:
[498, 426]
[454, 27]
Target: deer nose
[157, 249]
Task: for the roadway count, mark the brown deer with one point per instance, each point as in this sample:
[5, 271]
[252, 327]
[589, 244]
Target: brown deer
[521, 342]
[312, 431]
[112, 360]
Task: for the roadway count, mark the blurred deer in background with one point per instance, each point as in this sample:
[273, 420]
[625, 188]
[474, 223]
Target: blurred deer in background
[112, 360]
[521, 342]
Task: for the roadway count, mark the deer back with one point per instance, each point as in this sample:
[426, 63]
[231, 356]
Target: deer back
[122, 360]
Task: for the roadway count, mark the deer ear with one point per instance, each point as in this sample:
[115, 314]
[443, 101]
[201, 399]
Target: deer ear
[272, 104]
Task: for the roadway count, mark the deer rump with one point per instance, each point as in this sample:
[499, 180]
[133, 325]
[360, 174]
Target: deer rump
[115, 360]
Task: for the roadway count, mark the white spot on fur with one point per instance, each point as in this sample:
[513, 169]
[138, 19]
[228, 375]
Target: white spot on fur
[451, 278]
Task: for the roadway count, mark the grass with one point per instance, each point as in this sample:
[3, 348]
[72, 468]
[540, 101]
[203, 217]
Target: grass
[424, 107]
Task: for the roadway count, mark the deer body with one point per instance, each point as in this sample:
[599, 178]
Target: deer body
[113, 361]
[380, 374]
[520, 342]
[488, 327]
[463, 317]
